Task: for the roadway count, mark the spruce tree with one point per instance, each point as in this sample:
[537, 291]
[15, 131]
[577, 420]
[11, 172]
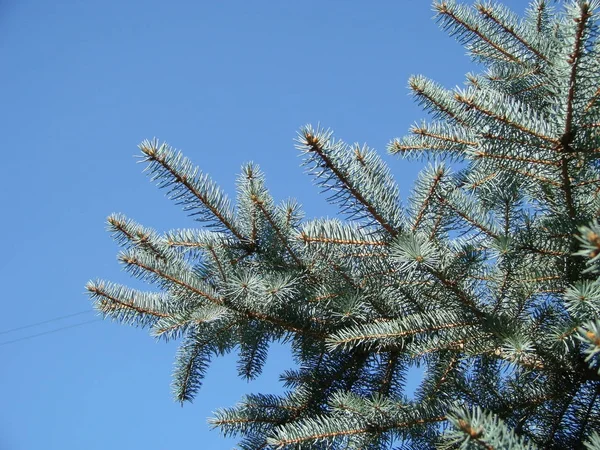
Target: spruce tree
[487, 277]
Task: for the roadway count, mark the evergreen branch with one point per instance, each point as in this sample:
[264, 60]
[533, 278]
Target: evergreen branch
[471, 103]
[444, 346]
[277, 230]
[339, 269]
[486, 430]
[591, 102]
[488, 13]
[430, 195]
[131, 234]
[559, 417]
[192, 370]
[437, 137]
[568, 134]
[474, 81]
[482, 54]
[425, 90]
[478, 183]
[567, 188]
[486, 155]
[194, 189]
[585, 183]
[368, 255]
[530, 88]
[216, 259]
[453, 287]
[454, 360]
[466, 217]
[193, 358]
[242, 420]
[540, 279]
[397, 146]
[574, 59]
[542, 251]
[326, 240]
[519, 142]
[373, 333]
[326, 379]
[163, 273]
[436, 226]
[336, 233]
[320, 298]
[190, 286]
[253, 226]
[588, 414]
[422, 131]
[253, 353]
[443, 9]
[194, 239]
[316, 144]
[593, 441]
[173, 328]
[390, 367]
[335, 429]
[397, 282]
[533, 176]
[478, 278]
[118, 301]
[541, 9]
[186, 244]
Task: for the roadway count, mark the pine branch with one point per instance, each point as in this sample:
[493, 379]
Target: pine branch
[568, 134]
[443, 378]
[436, 99]
[392, 333]
[195, 287]
[588, 413]
[558, 418]
[327, 240]
[479, 280]
[485, 155]
[162, 272]
[327, 158]
[128, 305]
[509, 28]
[485, 228]
[280, 235]
[484, 430]
[574, 59]
[196, 191]
[457, 21]
[194, 239]
[592, 101]
[393, 359]
[328, 429]
[193, 358]
[488, 107]
[129, 234]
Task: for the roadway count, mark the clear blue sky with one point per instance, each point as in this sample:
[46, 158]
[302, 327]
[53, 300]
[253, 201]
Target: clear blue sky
[83, 82]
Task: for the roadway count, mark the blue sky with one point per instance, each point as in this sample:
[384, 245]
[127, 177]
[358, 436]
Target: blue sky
[83, 82]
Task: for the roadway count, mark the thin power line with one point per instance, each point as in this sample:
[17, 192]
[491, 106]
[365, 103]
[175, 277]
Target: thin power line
[49, 332]
[46, 321]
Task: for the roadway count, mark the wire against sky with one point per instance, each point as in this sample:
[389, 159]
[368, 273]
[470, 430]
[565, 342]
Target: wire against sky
[43, 322]
[25, 338]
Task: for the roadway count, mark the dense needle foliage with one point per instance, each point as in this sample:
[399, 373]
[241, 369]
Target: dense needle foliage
[487, 277]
